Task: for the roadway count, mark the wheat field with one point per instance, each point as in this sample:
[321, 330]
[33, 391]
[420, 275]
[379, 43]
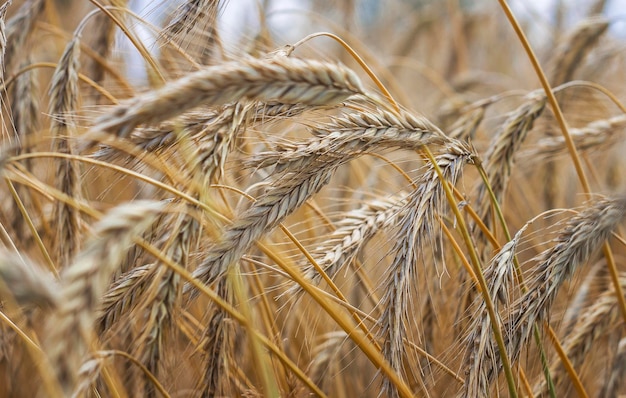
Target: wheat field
[411, 198]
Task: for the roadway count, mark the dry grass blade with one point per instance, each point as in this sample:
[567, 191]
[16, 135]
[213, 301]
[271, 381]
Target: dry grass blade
[282, 79]
[85, 282]
[417, 229]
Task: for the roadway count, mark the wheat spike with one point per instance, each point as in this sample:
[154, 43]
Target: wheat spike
[282, 79]
[416, 229]
[63, 104]
[84, 283]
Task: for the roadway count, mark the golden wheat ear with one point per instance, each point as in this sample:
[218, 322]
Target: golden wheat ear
[580, 237]
[26, 282]
[282, 79]
[84, 283]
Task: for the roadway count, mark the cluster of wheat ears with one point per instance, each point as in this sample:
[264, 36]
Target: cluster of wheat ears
[278, 221]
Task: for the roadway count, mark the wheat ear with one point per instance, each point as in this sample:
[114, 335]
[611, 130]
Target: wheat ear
[63, 103]
[416, 229]
[26, 282]
[18, 29]
[293, 186]
[354, 133]
[26, 114]
[282, 79]
[216, 341]
[483, 354]
[569, 55]
[500, 156]
[594, 135]
[581, 236]
[618, 372]
[85, 282]
[160, 310]
[354, 230]
[3, 36]
[123, 295]
[592, 324]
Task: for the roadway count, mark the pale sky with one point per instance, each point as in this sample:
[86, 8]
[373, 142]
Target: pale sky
[240, 17]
